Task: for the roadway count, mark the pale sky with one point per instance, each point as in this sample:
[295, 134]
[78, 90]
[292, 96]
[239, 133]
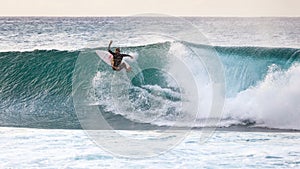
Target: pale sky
[239, 8]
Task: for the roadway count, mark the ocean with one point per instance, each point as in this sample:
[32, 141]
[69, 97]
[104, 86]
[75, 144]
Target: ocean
[204, 92]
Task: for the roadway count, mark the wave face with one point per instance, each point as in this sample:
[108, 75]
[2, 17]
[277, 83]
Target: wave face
[35, 89]
[261, 88]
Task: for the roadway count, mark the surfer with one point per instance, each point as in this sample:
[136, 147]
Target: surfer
[116, 61]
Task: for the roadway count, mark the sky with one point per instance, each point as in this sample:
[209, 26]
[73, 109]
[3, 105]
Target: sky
[224, 8]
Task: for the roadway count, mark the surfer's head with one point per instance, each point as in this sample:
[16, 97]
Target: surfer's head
[117, 50]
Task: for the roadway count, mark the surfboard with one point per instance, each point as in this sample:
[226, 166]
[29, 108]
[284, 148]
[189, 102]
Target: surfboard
[106, 57]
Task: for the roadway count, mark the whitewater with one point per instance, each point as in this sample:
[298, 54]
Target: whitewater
[52, 82]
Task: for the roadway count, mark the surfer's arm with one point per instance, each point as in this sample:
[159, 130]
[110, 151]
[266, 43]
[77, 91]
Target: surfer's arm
[108, 49]
[125, 55]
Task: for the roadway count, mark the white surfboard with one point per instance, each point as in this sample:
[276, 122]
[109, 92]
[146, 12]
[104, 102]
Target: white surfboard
[106, 57]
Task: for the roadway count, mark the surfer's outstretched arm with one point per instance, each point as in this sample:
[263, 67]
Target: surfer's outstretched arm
[125, 55]
[108, 49]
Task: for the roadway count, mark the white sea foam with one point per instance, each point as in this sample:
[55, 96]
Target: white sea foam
[272, 103]
[74, 149]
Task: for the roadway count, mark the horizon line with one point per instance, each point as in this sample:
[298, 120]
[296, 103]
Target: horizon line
[200, 16]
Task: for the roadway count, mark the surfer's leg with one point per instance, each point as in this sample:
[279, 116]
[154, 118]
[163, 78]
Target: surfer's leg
[121, 66]
[126, 66]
